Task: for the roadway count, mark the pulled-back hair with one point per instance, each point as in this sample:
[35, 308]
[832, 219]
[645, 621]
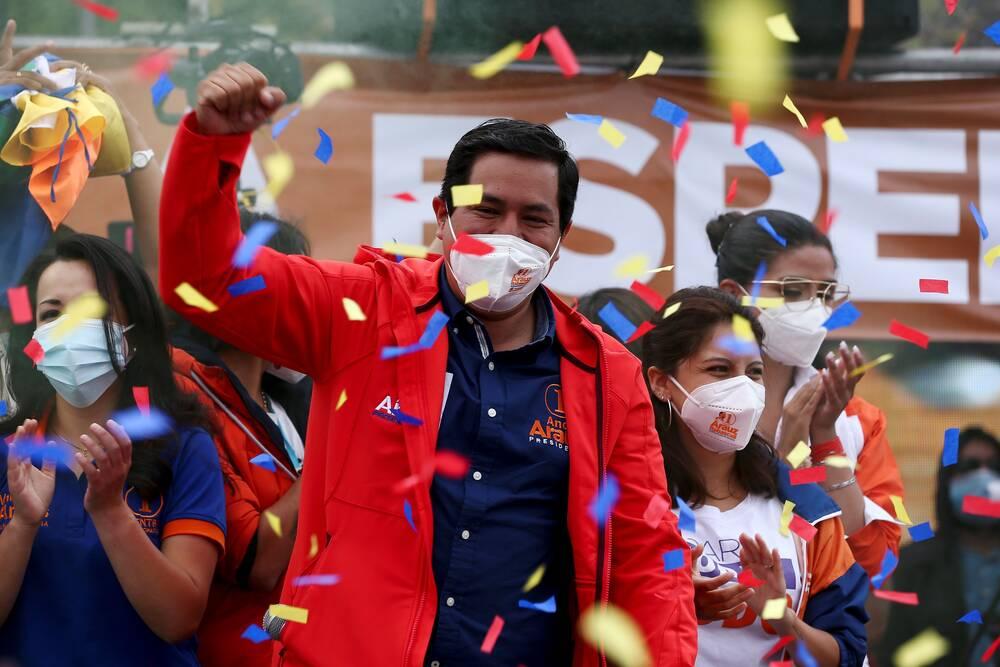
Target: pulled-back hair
[671, 342]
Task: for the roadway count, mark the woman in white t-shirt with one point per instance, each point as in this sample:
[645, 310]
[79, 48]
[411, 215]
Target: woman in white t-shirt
[707, 385]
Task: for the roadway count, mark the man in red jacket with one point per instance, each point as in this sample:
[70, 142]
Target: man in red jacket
[456, 358]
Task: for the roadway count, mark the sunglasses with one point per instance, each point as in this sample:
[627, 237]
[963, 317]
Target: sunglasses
[973, 464]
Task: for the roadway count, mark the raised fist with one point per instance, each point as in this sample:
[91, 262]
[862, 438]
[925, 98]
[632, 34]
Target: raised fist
[235, 99]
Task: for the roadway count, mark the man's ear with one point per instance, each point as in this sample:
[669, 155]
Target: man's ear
[441, 216]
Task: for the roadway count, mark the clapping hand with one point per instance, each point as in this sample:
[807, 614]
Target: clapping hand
[31, 489]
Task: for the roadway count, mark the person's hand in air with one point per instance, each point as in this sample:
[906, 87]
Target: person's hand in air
[798, 415]
[838, 389]
[107, 466]
[235, 99]
[30, 488]
[11, 64]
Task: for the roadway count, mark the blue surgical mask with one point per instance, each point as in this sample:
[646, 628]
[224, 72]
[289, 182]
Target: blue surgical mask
[78, 365]
[982, 482]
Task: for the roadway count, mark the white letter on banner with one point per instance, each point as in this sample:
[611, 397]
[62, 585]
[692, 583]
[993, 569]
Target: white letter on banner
[865, 213]
[700, 185]
[989, 208]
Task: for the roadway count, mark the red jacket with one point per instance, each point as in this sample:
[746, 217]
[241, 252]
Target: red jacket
[382, 611]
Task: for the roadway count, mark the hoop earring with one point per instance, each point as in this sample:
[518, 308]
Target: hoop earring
[670, 414]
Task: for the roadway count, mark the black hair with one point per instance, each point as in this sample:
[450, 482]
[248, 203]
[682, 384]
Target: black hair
[740, 244]
[947, 518]
[516, 137]
[120, 280]
[628, 304]
[666, 346]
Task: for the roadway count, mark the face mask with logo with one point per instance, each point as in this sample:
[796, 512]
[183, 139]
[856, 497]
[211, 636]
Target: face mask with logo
[513, 270]
[284, 373]
[982, 482]
[722, 415]
[793, 337]
[78, 365]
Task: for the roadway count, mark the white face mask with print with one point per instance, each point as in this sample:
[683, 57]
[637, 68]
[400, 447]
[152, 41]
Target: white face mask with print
[722, 415]
[793, 337]
[513, 270]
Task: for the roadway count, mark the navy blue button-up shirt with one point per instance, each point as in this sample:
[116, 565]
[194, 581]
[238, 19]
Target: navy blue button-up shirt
[493, 528]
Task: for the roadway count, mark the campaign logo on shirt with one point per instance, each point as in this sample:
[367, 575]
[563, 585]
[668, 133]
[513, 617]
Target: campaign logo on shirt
[7, 510]
[384, 409]
[147, 512]
[723, 425]
[551, 432]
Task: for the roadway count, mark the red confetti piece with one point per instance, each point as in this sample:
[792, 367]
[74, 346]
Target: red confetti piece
[747, 578]
[490, 640]
[34, 351]
[814, 128]
[152, 66]
[99, 10]
[655, 511]
[141, 396]
[740, 111]
[988, 653]
[811, 475]
[467, 245]
[831, 215]
[404, 196]
[648, 294]
[731, 193]
[981, 506]
[915, 336]
[778, 645]
[950, 6]
[528, 52]
[561, 51]
[781, 663]
[20, 308]
[932, 286]
[802, 528]
[958, 44]
[640, 331]
[450, 464]
[897, 596]
[680, 140]
[130, 240]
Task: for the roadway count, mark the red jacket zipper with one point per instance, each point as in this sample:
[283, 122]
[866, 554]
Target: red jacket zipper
[416, 620]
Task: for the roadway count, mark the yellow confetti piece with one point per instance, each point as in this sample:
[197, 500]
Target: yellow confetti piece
[273, 521]
[834, 130]
[742, 328]
[353, 310]
[289, 613]
[279, 168]
[633, 267]
[88, 306]
[342, 399]
[650, 65]
[774, 609]
[786, 518]
[467, 195]
[790, 105]
[405, 249]
[477, 291]
[901, 514]
[871, 364]
[837, 462]
[194, 298]
[669, 267]
[798, 454]
[534, 579]
[763, 301]
[495, 63]
[313, 545]
[781, 27]
[610, 133]
[617, 633]
[329, 77]
[991, 255]
[671, 309]
[926, 648]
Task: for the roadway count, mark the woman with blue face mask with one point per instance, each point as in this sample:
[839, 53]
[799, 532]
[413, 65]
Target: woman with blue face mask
[108, 544]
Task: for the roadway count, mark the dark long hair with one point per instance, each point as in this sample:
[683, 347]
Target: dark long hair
[740, 244]
[120, 280]
[666, 346]
[628, 304]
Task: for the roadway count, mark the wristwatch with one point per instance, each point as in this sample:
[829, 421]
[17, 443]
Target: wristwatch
[140, 159]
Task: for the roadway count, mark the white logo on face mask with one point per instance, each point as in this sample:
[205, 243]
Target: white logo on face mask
[722, 415]
[793, 337]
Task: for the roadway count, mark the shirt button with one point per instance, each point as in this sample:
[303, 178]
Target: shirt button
[435, 663]
[491, 366]
[492, 412]
[455, 330]
[465, 534]
[468, 319]
[477, 475]
[450, 602]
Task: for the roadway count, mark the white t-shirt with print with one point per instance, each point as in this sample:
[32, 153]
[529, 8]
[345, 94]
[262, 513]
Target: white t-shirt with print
[741, 640]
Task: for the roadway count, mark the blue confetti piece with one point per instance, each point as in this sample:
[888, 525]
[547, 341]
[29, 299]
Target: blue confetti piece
[3, 408]
[325, 149]
[405, 418]
[265, 461]
[57, 452]
[686, 521]
[983, 229]
[844, 315]
[279, 126]
[255, 238]
[141, 426]
[973, 616]
[949, 455]
[766, 226]
[765, 159]
[547, 606]
[993, 32]
[738, 346]
[427, 338]
[889, 563]
[668, 111]
[605, 500]
[921, 532]
[408, 511]
[755, 285]
[585, 118]
[613, 318]
[163, 87]
[316, 580]
[256, 634]
[248, 286]
[803, 657]
[673, 559]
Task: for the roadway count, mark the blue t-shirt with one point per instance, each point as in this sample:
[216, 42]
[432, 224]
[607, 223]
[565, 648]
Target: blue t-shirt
[71, 610]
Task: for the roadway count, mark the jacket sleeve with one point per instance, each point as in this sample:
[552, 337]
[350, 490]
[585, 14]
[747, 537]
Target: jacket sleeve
[836, 603]
[293, 320]
[878, 477]
[242, 520]
[662, 603]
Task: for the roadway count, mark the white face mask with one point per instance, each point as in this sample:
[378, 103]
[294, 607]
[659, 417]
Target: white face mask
[722, 415]
[513, 270]
[284, 373]
[78, 366]
[793, 337]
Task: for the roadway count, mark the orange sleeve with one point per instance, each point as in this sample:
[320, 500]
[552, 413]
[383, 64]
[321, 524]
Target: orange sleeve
[205, 529]
[878, 477]
[829, 556]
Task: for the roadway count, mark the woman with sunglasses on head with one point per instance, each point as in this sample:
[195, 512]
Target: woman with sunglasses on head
[805, 405]
[109, 545]
[708, 395]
